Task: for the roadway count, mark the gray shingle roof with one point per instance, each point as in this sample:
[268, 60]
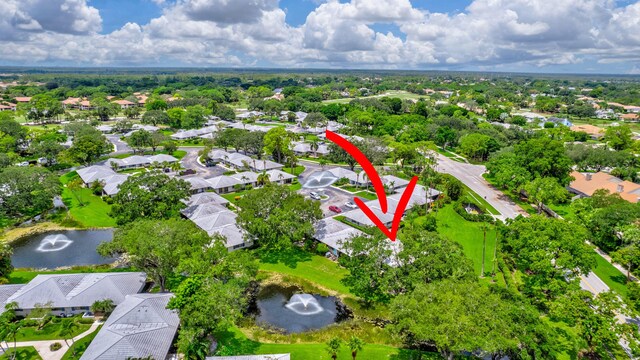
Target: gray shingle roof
[76, 290]
[6, 291]
[334, 233]
[197, 211]
[222, 181]
[197, 183]
[141, 326]
[206, 198]
[95, 172]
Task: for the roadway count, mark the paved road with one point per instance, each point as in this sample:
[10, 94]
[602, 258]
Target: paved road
[471, 175]
[120, 147]
[190, 161]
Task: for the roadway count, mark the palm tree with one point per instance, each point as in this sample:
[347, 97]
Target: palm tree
[263, 178]
[175, 166]
[67, 328]
[323, 163]
[355, 344]
[12, 333]
[244, 178]
[104, 307]
[333, 346]
[314, 147]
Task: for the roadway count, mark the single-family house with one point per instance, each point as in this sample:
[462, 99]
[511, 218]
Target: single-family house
[95, 172]
[23, 99]
[334, 234]
[198, 185]
[124, 104]
[394, 183]
[223, 184]
[280, 177]
[140, 327]
[246, 178]
[206, 198]
[71, 294]
[585, 184]
[356, 179]
[131, 162]
[162, 158]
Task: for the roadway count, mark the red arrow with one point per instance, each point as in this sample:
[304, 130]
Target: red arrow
[377, 185]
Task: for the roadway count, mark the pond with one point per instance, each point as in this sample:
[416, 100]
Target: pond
[60, 249]
[289, 310]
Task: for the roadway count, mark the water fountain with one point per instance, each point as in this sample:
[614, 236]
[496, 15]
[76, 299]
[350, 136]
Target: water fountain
[319, 180]
[60, 249]
[53, 243]
[284, 308]
[304, 304]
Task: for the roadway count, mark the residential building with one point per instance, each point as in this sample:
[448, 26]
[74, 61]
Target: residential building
[224, 184]
[71, 294]
[124, 104]
[334, 234]
[198, 185]
[585, 184]
[140, 327]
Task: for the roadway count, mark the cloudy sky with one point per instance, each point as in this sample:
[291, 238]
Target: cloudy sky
[571, 36]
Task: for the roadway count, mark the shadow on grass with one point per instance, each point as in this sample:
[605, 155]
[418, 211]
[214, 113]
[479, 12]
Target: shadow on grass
[229, 342]
[620, 279]
[406, 354]
[22, 353]
[289, 257]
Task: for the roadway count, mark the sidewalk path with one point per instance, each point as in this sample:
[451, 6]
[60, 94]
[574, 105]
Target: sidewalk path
[42, 347]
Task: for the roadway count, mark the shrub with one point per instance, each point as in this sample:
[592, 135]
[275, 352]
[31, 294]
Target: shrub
[322, 249]
[55, 346]
[459, 208]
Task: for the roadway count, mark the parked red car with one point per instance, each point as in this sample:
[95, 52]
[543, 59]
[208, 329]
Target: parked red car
[335, 209]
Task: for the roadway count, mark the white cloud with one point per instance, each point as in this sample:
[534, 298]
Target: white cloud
[488, 33]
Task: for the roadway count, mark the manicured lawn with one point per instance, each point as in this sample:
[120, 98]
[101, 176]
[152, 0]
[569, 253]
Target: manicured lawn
[367, 195]
[237, 343]
[23, 353]
[22, 276]
[469, 235]
[80, 346]
[51, 331]
[296, 170]
[94, 212]
[611, 276]
[479, 200]
[302, 264]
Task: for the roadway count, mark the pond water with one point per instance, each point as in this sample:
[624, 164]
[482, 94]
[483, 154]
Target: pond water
[61, 248]
[291, 311]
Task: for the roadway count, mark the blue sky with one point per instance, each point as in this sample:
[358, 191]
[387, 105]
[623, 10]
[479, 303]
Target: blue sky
[572, 36]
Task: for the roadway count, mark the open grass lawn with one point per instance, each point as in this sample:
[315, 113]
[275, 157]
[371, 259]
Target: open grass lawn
[469, 235]
[94, 213]
[296, 170]
[611, 276]
[301, 264]
[23, 353]
[23, 276]
[51, 331]
[479, 200]
[80, 346]
[401, 94]
[236, 342]
[366, 195]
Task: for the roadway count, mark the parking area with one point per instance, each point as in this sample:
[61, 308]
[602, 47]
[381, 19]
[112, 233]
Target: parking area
[331, 196]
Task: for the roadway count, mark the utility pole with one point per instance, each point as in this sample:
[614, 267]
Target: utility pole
[495, 250]
[484, 247]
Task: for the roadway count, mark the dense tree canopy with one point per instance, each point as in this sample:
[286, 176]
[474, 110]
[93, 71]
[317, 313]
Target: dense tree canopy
[27, 191]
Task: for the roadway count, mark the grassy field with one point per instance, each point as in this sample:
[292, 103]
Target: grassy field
[404, 95]
[51, 331]
[611, 276]
[23, 353]
[296, 170]
[237, 343]
[302, 264]
[23, 276]
[469, 235]
[94, 213]
[80, 346]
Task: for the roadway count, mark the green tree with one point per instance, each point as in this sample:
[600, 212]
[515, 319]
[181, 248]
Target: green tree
[446, 136]
[5, 262]
[158, 247]
[75, 186]
[103, 109]
[545, 191]
[68, 327]
[27, 191]
[88, 146]
[155, 118]
[139, 140]
[104, 307]
[355, 345]
[550, 251]
[275, 216]
[47, 149]
[475, 146]
[333, 347]
[192, 345]
[156, 139]
[277, 143]
[629, 256]
[619, 137]
[149, 195]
